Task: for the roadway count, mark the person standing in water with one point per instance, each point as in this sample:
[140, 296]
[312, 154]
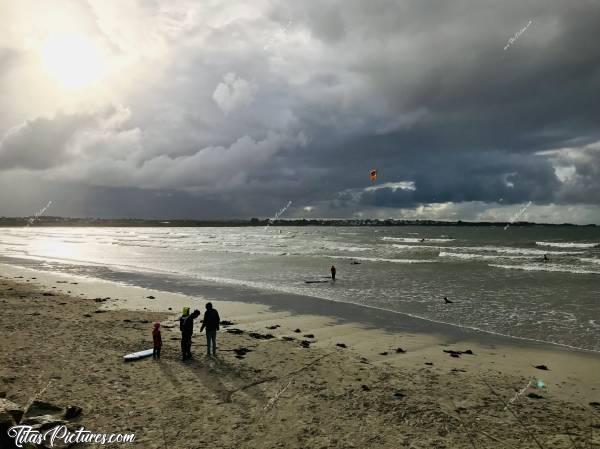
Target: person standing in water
[333, 271]
[211, 322]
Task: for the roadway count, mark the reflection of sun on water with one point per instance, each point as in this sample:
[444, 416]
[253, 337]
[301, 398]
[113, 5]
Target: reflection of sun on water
[54, 248]
[73, 60]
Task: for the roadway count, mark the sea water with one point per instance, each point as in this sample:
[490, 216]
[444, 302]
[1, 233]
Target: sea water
[497, 279]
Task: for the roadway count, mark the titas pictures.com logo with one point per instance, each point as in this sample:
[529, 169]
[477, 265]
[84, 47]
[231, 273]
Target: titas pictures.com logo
[62, 435]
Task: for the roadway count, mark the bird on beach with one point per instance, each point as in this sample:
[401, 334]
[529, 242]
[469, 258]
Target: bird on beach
[447, 301]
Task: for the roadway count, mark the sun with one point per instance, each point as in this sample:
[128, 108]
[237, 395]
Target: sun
[73, 60]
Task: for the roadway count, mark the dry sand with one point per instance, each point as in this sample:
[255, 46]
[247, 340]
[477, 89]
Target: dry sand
[280, 395]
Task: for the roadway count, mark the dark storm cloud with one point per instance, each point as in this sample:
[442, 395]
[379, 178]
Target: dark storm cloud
[488, 109]
[423, 91]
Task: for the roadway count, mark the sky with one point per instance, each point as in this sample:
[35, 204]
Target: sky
[467, 109]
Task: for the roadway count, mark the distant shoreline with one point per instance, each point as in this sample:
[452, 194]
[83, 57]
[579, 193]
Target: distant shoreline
[258, 222]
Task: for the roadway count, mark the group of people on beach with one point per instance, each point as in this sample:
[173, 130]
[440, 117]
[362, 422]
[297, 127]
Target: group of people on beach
[211, 322]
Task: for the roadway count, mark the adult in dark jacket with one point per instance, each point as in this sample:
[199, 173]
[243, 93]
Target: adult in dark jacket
[186, 313]
[211, 323]
[187, 329]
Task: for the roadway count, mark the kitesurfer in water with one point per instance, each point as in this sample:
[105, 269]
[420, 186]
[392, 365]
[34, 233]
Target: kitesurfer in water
[333, 271]
[546, 258]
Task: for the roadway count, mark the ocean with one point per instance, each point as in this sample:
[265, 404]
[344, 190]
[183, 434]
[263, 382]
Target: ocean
[496, 278]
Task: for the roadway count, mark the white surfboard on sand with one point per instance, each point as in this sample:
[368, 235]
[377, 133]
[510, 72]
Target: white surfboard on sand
[138, 355]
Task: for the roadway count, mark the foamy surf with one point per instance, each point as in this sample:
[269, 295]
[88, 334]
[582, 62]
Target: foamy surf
[568, 244]
[545, 267]
[382, 259]
[415, 240]
[471, 256]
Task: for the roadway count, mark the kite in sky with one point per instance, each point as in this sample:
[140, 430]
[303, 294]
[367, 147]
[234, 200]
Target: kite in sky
[373, 175]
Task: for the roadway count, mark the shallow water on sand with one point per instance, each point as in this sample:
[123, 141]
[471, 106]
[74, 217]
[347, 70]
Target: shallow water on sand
[496, 278]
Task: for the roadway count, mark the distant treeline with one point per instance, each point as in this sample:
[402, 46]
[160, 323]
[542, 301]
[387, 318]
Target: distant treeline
[121, 222]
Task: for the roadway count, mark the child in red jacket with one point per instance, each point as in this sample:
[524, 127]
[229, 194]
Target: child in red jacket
[157, 341]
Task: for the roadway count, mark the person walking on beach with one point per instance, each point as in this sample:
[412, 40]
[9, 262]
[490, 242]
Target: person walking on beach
[333, 271]
[157, 339]
[186, 335]
[211, 322]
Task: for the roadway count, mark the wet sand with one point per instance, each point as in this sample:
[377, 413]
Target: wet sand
[282, 393]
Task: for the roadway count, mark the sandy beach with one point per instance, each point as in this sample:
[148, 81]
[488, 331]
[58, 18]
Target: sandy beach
[281, 379]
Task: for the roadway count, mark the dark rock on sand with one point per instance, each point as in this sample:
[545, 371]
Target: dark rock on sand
[150, 297]
[273, 327]
[288, 338]
[38, 407]
[596, 405]
[429, 363]
[341, 345]
[235, 331]
[542, 367]
[535, 396]
[48, 294]
[127, 321]
[73, 411]
[43, 422]
[297, 331]
[87, 315]
[305, 344]
[400, 351]
[9, 412]
[308, 336]
[226, 323]
[365, 387]
[399, 395]
[100, 311]
[383, 353]
[99, 300]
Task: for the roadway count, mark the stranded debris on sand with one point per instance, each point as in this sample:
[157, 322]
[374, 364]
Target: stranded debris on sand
[240, 353]
[261, 336]
[457, 354]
